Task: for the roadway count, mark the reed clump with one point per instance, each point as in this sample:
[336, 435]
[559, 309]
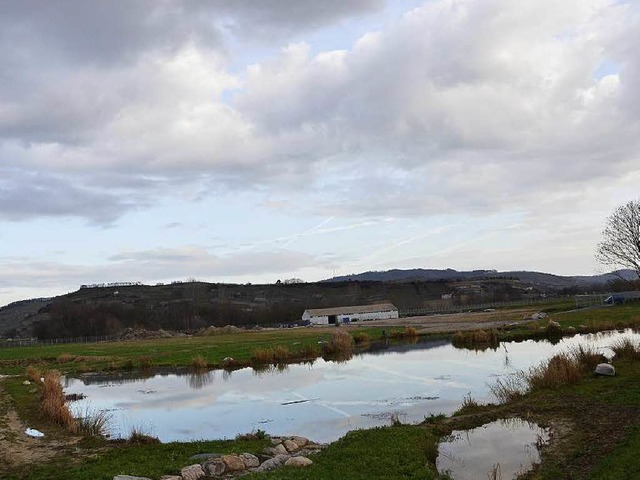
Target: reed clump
[476, 339]
[145, 361]
[626, 349]
[409, 333]
[262, 356]
[93, 423]
[53, 404]
[33, 374]
[199, 362]
[309, 352]
[361, 338]
[281, 354]
[139, 437]
[563, 369]
[339, 347]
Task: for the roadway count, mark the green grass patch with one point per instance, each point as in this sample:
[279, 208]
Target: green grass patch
[623, 463]
[380, 453]
[147, 460]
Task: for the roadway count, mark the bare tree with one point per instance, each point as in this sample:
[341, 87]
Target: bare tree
[620, 245]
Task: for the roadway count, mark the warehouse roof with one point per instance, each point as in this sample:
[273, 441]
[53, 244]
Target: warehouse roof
[378, 307]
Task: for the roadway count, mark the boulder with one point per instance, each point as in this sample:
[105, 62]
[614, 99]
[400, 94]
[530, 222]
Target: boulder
[171, 477]
[272, 463]
[554, 324]
[300, 441]
[605, 369]
[234, 463]
[250, 461]
[192, 472]
[203, 457]
[291, 446]
[298, 462]
[214, 467]
[279, 449]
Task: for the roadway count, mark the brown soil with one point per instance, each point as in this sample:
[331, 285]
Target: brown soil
[16, 447]
[455, 322]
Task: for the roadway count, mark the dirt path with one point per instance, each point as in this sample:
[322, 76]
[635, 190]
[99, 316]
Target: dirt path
[16, 447]
[454, 322]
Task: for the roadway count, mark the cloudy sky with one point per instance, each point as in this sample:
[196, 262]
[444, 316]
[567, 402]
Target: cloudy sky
[252, 140]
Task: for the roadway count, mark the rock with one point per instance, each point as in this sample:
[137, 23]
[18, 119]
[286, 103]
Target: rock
[605, 369]
[234, 463]
[300, 441]
[554, 324]
[272, 463]
[571, 329]
[214, 467]
[192, 472]
[298, 462]
[291, 446]
[250, 461]
[26, 382]
[280, 449]
[275, 441]
[129, 477]
[171, 477]
[203, 457]
[227, 360]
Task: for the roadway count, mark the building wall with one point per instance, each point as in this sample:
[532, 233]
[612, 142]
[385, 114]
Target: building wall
[358, 317]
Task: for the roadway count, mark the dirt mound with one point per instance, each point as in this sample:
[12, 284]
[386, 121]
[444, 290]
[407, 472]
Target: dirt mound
[212, 331]
[142, 334]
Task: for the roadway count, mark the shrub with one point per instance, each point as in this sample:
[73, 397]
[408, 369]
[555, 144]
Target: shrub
[476, 339]
[309, 351]
[509, 388]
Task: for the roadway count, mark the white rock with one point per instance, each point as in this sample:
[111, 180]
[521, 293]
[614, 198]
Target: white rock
[298, 462]
[605, 369]
[272, 463]
[192, 472]
[32, 432]
[250, 461]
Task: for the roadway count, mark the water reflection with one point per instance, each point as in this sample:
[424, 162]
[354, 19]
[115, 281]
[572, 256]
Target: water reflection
[321, 400]
[508, 446]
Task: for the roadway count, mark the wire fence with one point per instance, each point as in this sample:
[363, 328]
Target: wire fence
[434, 310]
[35, 342]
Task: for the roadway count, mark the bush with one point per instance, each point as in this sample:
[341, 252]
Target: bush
[146, 362]
[339, 347]
[626, 349]
[33, 374]
[199, 362]
[360, 338]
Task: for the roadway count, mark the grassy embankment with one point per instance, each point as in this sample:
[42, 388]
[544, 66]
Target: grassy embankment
[176, 351]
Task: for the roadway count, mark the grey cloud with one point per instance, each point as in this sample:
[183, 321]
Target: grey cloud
[31, 195]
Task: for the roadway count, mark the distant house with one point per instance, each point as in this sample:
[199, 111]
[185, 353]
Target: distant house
[331, 316]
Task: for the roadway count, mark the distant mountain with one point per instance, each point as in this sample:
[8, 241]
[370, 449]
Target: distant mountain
[534, 278]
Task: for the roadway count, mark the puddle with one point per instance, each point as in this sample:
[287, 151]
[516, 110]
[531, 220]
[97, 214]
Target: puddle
[507, 447]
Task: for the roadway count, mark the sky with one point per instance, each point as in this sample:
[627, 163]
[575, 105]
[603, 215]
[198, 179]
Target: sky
[251, 141]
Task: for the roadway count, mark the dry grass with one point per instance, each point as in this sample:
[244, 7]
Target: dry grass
[139, 437]
[361, 338]
[262, 356]
[199, 362]
[308, 352]
[476, 339]
[33, 374]
[626, 349]
[65, 358]
[566, 368]
[145, 361]
[93, 423]
[339, 347]
[53, 402]
[281, 354]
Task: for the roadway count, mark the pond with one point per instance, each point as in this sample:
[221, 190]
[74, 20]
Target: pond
[502, 449]
[322, 401]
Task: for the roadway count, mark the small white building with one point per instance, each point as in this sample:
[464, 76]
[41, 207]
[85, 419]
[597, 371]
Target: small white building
[331, 316]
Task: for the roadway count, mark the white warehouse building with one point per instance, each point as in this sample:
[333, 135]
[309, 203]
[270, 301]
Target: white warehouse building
[331, 316]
